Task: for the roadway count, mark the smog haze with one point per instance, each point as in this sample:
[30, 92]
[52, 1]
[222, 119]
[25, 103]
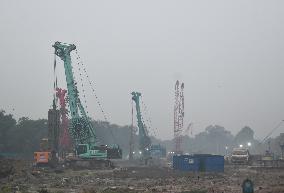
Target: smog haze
[229, 54]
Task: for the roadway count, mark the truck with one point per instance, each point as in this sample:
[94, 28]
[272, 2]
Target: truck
[240, 156]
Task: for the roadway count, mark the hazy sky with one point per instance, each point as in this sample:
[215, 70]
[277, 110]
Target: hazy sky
[229, 54]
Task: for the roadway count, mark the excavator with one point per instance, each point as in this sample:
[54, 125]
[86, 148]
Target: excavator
[87, 150]
[147, 151]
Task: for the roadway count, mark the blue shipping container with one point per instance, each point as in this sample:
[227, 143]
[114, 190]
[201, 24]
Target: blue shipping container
[199, 163]
[185, 163]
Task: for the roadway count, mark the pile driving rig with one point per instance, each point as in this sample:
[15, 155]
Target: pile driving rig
[88, 152]
[147, 151]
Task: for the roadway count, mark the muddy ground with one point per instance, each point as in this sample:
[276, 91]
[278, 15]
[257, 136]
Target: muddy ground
[19, 176]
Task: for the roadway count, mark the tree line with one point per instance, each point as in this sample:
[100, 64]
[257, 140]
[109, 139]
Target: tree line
[20, 138]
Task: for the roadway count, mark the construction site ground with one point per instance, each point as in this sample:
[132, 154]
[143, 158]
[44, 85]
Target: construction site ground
[19, 176]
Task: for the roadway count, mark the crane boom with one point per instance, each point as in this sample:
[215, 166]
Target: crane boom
[87, 151]
[82, 130]
[144, 139]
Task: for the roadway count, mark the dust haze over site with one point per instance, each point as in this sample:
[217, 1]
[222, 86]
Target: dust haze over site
[229, 54]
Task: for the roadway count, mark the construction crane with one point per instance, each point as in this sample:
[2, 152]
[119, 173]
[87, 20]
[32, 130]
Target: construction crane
[268, 155]
[144, 139]
[188, 130]
[146, 149]
[178, 116]
[81, 129]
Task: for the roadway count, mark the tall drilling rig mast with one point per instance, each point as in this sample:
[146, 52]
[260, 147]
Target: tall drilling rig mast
[178, 116]
[147, 150]
[144, 139]
[81, 129]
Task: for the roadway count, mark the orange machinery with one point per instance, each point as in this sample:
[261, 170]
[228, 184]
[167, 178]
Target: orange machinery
[49, 146]
[43, 156]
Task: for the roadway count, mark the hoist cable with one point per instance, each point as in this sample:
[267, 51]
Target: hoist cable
[146, 113]
[93, 90]
[54, 80]
[270, 133]
[91, 85]
[144, 117]
[82, 85]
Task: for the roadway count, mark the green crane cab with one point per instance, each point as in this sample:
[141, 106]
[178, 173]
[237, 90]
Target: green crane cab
[100, 152]
[87, 151]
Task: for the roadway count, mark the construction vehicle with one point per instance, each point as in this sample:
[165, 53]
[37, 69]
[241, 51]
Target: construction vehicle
[268, 157]
[158, 151]
[113, 151]
[88, 152]
[43, 156]
[240, 156]
[147, 151]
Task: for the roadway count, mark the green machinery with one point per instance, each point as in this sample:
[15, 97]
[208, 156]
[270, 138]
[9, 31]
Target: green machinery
[146, 149]
[144, 139]
[81, 129]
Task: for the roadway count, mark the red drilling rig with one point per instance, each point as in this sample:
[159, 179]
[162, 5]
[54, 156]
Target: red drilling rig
[65, 143]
